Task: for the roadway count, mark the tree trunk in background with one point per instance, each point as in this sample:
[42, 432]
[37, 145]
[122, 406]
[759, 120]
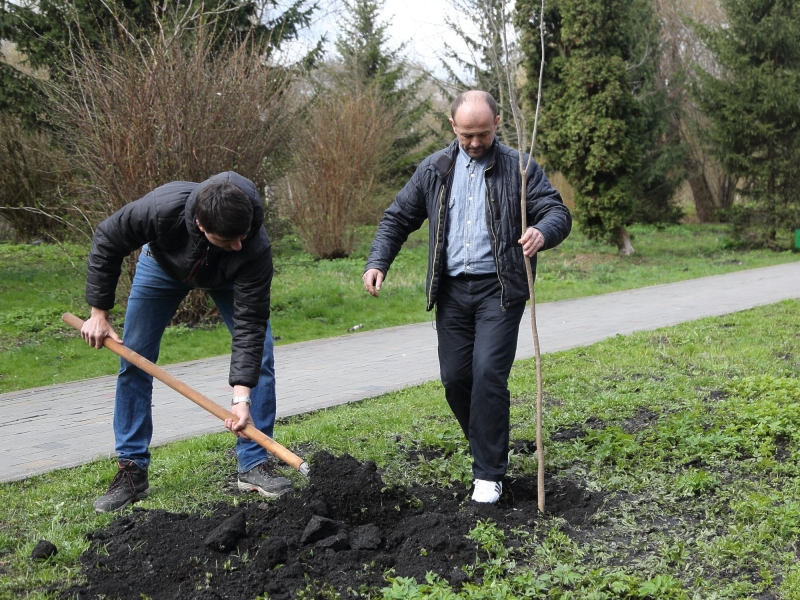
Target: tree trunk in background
[703, 198]
[726, 190]
[623, 241]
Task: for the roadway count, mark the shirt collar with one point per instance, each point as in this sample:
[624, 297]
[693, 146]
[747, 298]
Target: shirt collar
[466, 157]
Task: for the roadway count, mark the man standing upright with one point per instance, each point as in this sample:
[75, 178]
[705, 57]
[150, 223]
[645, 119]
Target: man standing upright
[470, 193]
[206, 236]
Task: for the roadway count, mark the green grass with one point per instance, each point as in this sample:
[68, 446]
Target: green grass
[692, 432]
[314, 299]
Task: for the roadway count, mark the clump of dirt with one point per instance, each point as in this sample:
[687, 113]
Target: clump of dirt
[343, 531]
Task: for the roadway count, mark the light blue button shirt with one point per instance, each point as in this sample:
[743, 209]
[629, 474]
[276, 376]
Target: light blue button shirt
[468, 247]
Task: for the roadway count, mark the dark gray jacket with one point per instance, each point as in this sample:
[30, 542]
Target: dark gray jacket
[164, 218]
[422, 198]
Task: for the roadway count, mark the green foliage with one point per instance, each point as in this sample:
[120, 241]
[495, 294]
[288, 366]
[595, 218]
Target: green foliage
[316, 590]
[790, 587]
[604, 118]
[45, 321]
[720, 396]
[590, 119]
[362, 45]
[490, 538]
[486, 57]
[444, 470]
[664, 154]
[367, 59]
[765, 406]
[407, 588]
[313, 299]
[49, 30]
[485, 47]
[750, 103]
[611, 445]
[563, 582]
[52, 34]
[695, 482]
[454, 466]
[20, 97]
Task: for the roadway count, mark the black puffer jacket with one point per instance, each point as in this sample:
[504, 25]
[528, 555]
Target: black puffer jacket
[164, 218]
[422, 197]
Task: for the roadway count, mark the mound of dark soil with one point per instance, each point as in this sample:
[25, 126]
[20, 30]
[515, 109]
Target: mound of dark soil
[343, 531]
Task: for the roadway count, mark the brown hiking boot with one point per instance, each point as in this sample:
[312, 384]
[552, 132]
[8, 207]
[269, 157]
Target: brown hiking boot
[129, 485]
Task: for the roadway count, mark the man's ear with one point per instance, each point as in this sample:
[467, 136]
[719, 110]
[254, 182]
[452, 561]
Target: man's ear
[200, 227]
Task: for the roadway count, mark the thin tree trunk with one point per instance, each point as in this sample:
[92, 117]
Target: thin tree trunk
[523, 169]
[703, 198]
[727, 190]
[623, 241]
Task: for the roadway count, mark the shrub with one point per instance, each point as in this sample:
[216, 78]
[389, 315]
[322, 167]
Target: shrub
[144, 112]
[339, 155]
[31, 200]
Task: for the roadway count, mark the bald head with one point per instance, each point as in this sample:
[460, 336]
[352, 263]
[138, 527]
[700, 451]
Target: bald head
[474, 120]
[473, 97]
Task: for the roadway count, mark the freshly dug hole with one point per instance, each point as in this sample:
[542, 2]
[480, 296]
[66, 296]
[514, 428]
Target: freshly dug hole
[342, 530]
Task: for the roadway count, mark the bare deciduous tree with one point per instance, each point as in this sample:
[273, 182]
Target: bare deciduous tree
[340, 154]
[479, 24]
[711, 188]
[32, 188]
[146, 112]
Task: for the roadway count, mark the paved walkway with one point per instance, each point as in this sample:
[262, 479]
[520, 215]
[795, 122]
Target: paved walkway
[66, 425]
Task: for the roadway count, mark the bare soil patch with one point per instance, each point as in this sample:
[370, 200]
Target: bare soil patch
[343, 531]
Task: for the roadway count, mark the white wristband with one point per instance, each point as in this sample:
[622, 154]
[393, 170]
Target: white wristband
[240, 399]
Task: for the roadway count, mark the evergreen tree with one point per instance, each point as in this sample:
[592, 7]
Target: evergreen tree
[367, 60]
[664, 154]
[604, 120]
[751, 105]
[19, 95]
[363, 46]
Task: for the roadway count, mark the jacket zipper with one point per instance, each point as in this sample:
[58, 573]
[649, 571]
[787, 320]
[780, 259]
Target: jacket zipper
[196, 265]
[436, 245]
[494, 235]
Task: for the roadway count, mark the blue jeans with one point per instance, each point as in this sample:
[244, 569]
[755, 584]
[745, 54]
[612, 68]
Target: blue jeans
[154, 298]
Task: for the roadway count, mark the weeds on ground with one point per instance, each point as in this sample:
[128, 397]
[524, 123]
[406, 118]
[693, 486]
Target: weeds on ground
[689, 432]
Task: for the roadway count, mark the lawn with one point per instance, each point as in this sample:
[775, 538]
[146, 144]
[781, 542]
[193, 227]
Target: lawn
[685, 439]
[320, 298]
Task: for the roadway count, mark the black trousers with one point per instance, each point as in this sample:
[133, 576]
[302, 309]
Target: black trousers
[477, 345]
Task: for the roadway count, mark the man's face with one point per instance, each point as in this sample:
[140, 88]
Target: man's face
[229, 245]
[475, 126]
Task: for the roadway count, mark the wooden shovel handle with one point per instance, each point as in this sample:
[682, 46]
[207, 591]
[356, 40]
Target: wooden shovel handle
[263, 440]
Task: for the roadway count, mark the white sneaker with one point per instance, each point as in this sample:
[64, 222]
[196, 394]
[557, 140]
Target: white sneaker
[487, 491]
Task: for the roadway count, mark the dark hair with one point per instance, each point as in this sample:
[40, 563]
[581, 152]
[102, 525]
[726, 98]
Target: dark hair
[471, 96]
[223, 209]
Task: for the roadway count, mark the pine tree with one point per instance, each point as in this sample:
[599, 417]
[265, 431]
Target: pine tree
[751, 105]
[363, 46]
[603, 118]
[367, 59]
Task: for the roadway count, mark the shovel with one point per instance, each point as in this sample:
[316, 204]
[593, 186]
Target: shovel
[263, 440]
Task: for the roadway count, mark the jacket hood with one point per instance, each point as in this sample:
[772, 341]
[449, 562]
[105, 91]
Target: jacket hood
[243, 184]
